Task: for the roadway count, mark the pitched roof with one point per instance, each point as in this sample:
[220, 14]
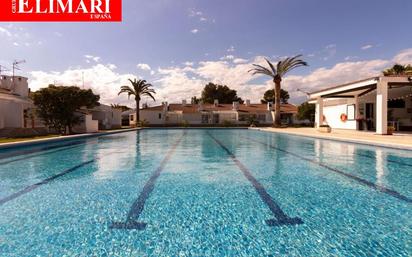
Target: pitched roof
[252, 108]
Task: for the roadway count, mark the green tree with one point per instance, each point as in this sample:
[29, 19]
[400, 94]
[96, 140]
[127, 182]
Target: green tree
[270, 97]
[224, 94]
[306, 111]
[57, 106]
[138, 89]
[123, 108]
[277, 73]
[398, 69]
[195, 100]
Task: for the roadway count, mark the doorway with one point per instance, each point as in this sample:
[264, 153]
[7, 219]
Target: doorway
[370, 116]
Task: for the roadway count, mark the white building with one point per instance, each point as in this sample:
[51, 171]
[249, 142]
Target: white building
[213, 114]
[13, 101]
[102, 117]
[371, 104]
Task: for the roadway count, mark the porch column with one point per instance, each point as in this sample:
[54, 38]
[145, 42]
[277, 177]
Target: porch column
[319, 112]
[382, 108]
[357, 112]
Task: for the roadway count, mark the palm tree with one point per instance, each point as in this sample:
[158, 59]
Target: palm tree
[139, 88]
[398, 69]
[277, 73]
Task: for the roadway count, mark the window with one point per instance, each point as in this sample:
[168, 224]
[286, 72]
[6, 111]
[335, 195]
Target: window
[205, 119]
[243, 117]
[261, 117]
[160, 116]
[350, 111]
[131, 117]
[399, 103]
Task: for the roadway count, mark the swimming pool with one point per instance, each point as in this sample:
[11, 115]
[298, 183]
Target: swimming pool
[199, 192]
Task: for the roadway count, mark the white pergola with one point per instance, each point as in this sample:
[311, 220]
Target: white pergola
[358, 89]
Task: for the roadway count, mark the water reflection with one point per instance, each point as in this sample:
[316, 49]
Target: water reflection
[380, 167]
[111, 159]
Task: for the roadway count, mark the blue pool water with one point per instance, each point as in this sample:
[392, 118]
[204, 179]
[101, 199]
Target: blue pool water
[205, 193]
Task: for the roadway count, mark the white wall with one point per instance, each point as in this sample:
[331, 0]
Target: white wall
[87, 126]
[152, 117]
[332, 111]
[91, 125]
[11, 114]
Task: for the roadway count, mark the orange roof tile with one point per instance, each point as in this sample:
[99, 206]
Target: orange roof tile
[252, 108]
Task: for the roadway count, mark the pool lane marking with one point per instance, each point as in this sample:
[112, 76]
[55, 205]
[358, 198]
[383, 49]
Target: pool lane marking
[132, 220]
[362, 181]
[66, 147]
[373, 157]
[43, 182]
[47, 148]
[281, 217]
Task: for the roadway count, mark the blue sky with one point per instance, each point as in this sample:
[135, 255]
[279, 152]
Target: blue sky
[179, 45]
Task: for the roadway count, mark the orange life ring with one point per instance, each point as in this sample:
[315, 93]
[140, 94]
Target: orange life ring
[343, 117]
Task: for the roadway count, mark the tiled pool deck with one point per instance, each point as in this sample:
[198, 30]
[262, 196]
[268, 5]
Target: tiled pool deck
[398, 140]
[62, 138]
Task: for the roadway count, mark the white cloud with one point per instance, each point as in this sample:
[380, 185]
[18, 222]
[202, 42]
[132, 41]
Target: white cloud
[90, 58]
[193, 13]
[350, 58]
[231, 49]
[194, 31]
[239, 61]
[182, 82]
[102, 79]
[58, 34]
[144, 66]
[6, 32]
[329, 52]
[404, 57]
[227, 57]
[188, 63]
[366, 47]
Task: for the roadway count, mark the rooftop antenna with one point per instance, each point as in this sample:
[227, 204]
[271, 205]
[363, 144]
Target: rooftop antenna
[306, 93]
[16, 67]
[83, 79]
[2, 68]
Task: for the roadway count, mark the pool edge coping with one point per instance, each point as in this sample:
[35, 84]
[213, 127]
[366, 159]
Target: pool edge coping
[344, 140]
[63, 138]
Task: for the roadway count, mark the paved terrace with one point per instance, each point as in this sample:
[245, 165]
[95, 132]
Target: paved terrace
[398, 140]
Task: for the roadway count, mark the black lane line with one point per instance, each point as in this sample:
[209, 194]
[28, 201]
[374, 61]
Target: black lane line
[14, 153]
[362, 181]
[369, 156]
[40, 154]
[132, 220]
[388, 160]
[281, 217]
[46, 181]
[373, 157]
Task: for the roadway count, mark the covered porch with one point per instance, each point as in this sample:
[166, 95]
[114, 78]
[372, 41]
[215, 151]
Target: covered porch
[373, 104]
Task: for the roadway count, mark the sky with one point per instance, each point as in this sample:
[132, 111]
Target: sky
[181, 45]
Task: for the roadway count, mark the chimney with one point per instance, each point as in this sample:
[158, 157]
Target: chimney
[216, 102]
[235, 106]
[184, 103]
[165, 107]
[270, 106]
[247, 102]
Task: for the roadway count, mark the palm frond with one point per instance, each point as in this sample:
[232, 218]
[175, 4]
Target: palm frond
[138, 88]
[261, 70]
